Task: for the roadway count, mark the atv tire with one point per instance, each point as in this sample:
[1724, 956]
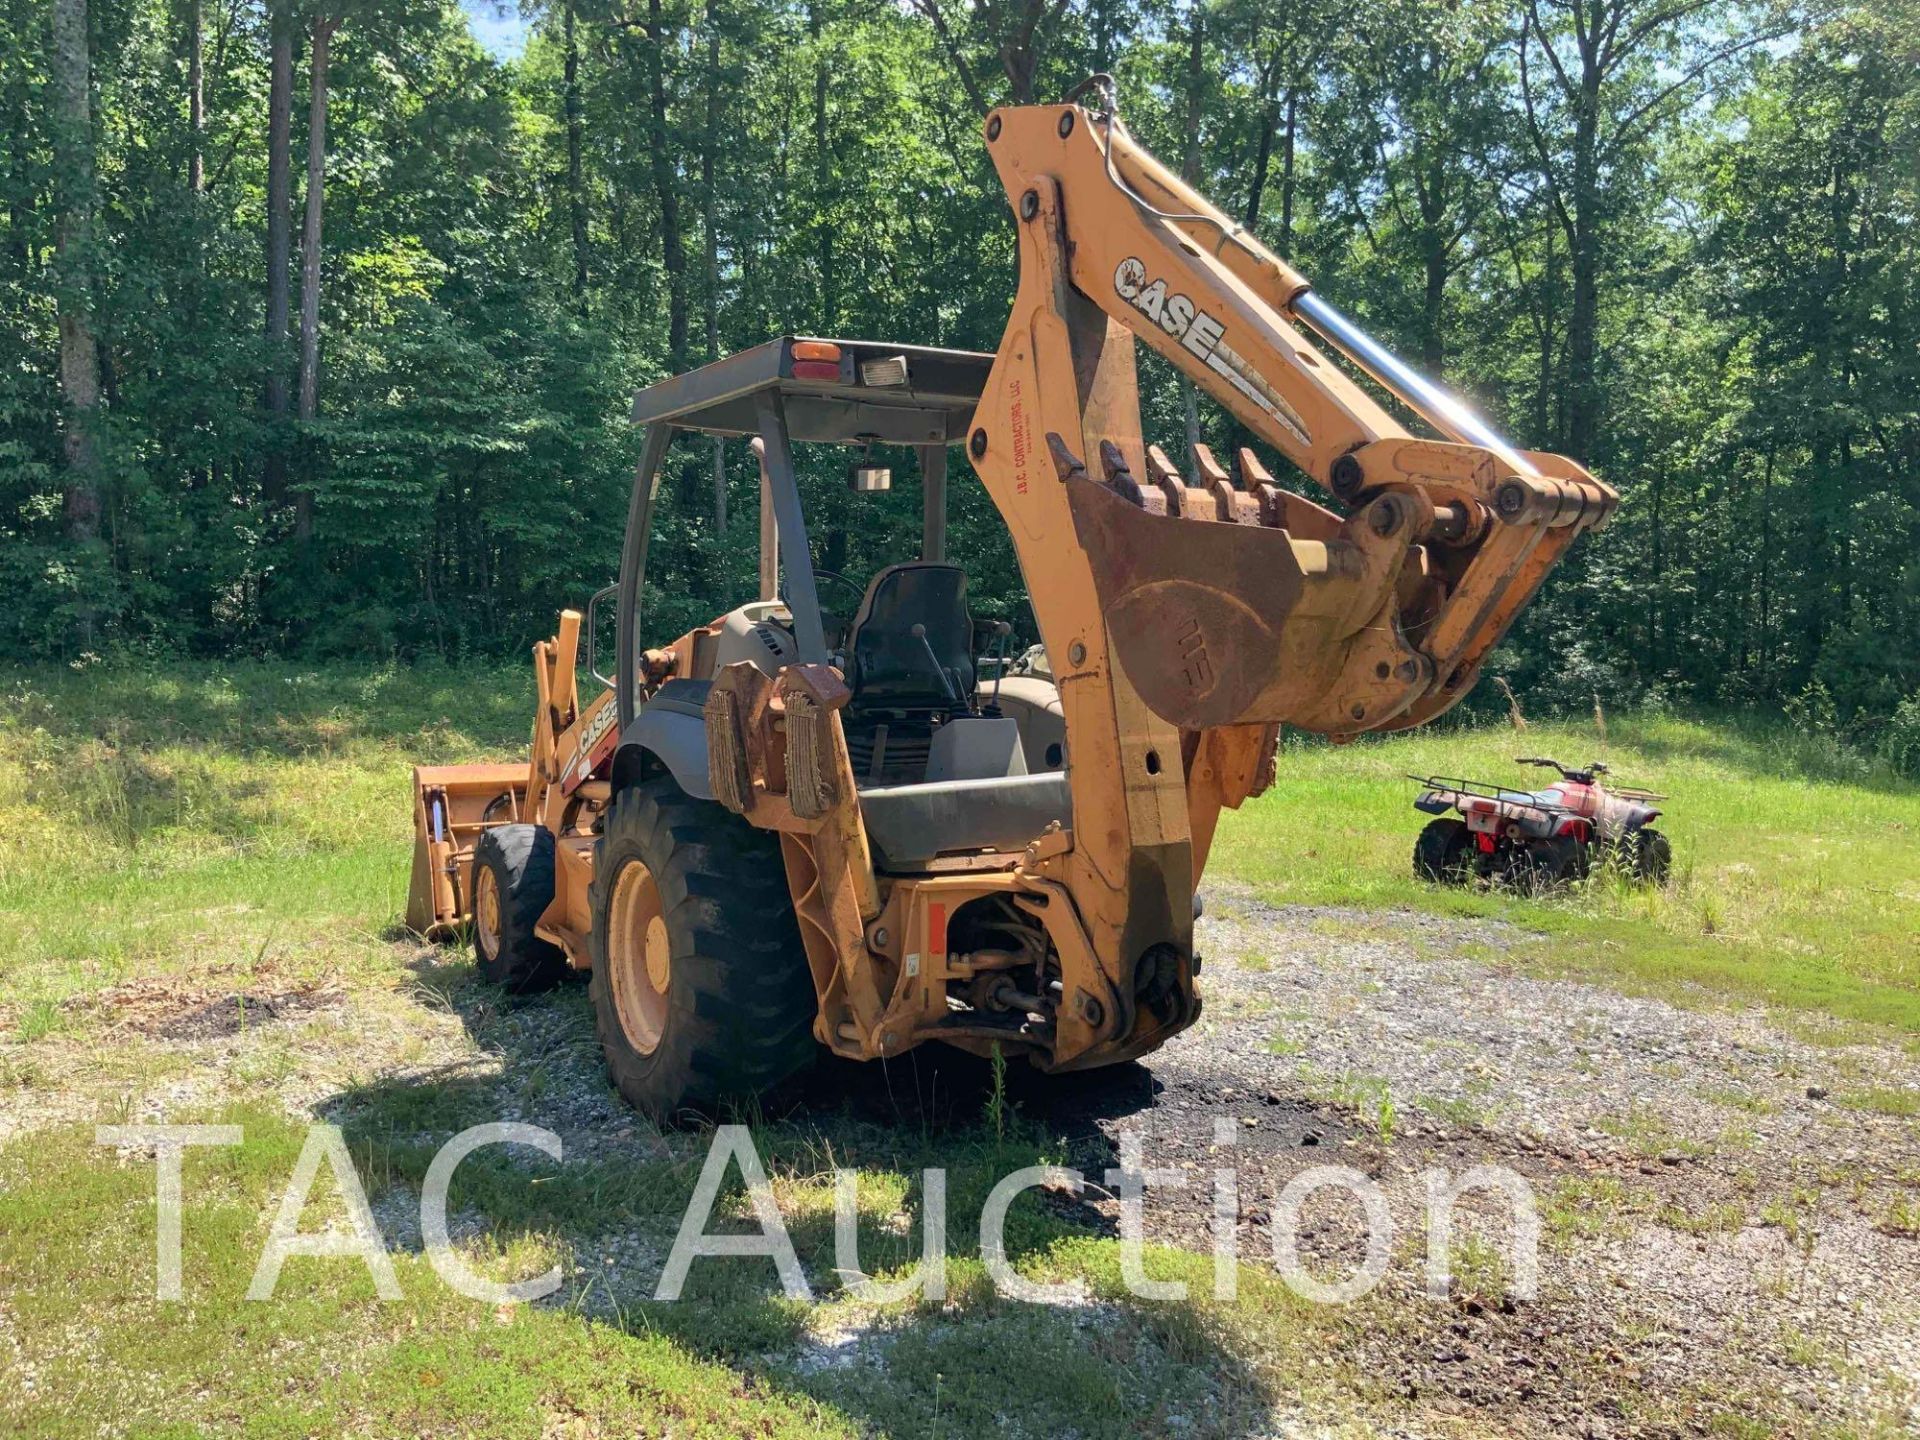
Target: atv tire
[1443, 852]
[701, 990]
[510, 887]
[1652, 856]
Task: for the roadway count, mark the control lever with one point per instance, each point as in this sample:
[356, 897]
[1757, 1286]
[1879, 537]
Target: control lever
[1001, 630]
[919, 632]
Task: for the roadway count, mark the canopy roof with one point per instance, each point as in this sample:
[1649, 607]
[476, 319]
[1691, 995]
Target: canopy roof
[933, 406]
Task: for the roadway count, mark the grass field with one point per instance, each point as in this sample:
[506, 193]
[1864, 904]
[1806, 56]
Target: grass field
[156, 827]
[1796, 866]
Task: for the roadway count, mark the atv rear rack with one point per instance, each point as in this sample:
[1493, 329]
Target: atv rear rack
[1480, 791]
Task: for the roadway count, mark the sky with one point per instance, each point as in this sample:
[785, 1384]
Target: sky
[498, 27]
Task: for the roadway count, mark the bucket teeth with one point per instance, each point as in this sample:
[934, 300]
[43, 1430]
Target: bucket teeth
[1211, 495]
[1065, 463]
[1113, 466]
[1229, 504]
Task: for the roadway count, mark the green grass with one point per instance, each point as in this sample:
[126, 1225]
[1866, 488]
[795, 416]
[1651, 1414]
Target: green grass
[245, 828]
[327, 1357]
[1881, 1100]
[151, 817]
[1796, 877]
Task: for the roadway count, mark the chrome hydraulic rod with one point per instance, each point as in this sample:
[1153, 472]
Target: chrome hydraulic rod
[1446, 410]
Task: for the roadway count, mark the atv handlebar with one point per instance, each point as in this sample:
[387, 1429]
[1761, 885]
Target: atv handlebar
[1584, 777]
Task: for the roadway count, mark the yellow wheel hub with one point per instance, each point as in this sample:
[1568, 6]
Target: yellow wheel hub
[639, 957]
[486, 911]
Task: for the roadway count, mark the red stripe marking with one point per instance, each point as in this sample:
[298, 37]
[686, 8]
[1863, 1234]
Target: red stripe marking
[936, 928]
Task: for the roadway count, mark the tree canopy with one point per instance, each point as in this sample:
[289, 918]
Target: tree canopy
[1674, 238]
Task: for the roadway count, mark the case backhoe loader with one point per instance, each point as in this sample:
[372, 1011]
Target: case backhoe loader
[814, 822]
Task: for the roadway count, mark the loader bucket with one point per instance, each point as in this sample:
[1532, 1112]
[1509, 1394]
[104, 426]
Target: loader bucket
[452, 804]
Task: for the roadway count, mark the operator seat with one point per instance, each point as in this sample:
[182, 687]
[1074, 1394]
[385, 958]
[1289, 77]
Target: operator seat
[891, 675]
[887, 664]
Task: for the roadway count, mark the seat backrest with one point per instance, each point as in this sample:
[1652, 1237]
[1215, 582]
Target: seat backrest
[887, 662]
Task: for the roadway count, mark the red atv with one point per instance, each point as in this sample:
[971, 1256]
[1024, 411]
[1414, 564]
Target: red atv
[1536, 838]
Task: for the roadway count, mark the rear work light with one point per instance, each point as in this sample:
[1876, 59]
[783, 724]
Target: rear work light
[815, 360]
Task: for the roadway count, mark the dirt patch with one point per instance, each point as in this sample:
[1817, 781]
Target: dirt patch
[163, 1009]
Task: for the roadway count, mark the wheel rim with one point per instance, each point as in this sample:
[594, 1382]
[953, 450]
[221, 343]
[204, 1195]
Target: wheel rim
[486, 912]
[639, 957]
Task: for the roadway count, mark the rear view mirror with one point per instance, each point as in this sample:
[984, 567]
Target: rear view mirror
[865, 478]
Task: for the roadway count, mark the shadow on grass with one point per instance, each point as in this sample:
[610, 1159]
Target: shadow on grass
[977, 1362]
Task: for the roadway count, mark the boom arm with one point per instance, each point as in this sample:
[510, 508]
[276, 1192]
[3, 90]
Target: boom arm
[1274, 609]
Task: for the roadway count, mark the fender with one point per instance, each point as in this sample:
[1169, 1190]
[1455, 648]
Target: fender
[671, 738]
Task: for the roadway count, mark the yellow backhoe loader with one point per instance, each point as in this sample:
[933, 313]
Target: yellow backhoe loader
[816, 822]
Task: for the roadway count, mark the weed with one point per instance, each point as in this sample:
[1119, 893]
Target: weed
[1881, 1100]
[995, 1113]
[1456, 1110]
[1799, 1349]
[1370, 1099]
[1721, 1217]
[1902, 1217]
[40, 1019]
[1647, 1133]
[1736, 1099]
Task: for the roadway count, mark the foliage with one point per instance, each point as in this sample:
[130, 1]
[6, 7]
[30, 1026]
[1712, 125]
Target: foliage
[1677, 241]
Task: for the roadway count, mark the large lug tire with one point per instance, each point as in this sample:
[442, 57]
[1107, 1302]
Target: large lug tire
[701, 991]
[511, 885]
[1444, 852]
[1652, 855]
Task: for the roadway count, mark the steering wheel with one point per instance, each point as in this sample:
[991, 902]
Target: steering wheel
[859, 590]
[837, 626]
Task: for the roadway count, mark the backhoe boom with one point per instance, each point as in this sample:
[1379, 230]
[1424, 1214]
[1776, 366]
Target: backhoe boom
[1275, 609]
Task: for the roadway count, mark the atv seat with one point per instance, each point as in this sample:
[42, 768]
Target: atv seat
[907, 825]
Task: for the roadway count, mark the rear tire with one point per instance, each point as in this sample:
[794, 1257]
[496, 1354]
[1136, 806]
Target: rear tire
[1441, 853]
[511, 885]
[701, 991]
[1652, 856]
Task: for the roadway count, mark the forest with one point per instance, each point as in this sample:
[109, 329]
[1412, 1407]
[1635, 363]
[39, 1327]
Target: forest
[319, 323]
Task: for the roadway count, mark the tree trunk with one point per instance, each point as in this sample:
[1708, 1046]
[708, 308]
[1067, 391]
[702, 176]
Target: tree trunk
[1583, 244]
[196, 100]
[279, 247]
[823, 216]
[576, 197]
[1287, 178]
[19, 186]
[1190, 172]
[1433, 339]
[323, 28]
[79, 352]
[710, 233]
[673, 254]
[1263, 146]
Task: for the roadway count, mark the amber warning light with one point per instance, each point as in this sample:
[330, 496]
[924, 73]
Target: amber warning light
[815, 360]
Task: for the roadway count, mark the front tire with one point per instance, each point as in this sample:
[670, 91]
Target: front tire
[1442, 853]
[701, 991]
[512, 884]
[1652, 856]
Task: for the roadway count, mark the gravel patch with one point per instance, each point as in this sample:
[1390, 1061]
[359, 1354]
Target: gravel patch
[1717, 1214]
